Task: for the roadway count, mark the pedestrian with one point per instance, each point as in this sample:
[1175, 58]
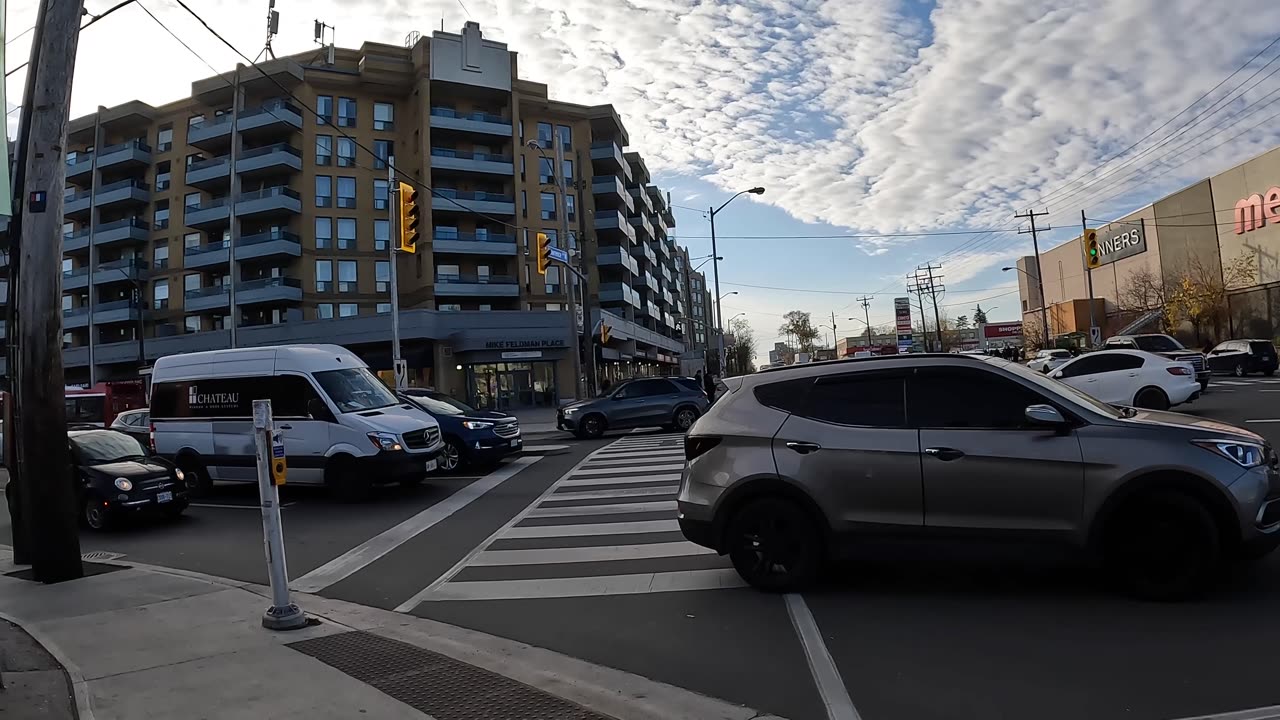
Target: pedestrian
[709, 384]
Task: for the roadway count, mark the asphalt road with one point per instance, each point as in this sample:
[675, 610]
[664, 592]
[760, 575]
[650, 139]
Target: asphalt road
[577, 553]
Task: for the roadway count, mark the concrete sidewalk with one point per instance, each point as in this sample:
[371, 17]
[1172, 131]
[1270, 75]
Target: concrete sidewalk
[143, 641]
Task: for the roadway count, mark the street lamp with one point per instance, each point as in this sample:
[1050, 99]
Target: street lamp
[866, 322]
[731, 292]
[1044, 311]
[706, 260]
[715, 257]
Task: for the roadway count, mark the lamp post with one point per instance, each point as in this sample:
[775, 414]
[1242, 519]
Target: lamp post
[715, 263]
[867, 322]
[705, 260]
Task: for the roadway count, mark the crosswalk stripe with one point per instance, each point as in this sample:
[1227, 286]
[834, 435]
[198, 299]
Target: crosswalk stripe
[620, 528]
[619, 493]
[627, 469]
[657, 457]
[1231, 382]
[587, 586]
[620, 480]
[603, 553]
[611, 509]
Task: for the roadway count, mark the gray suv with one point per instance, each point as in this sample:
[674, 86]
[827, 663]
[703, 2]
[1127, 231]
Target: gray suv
[643, 402]
[791, 463]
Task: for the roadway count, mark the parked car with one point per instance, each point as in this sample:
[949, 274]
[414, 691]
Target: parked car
[1131, 377]
[1163, 345]
[795, 462]
[1046, 360]
[643, 402]
[1241, 357]
[136, 424]
[116, 476]
[471, 436]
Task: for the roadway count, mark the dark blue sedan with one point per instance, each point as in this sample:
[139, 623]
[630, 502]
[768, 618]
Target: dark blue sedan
[471, 437]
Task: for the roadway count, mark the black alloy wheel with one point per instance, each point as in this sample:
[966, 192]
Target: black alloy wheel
[95, 514]
[591, 426]
[685, 418]
[774, 545]
[451, 456]
[1163, 545]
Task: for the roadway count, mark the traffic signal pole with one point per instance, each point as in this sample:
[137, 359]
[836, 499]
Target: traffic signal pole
[1088, 273]
[393, 212]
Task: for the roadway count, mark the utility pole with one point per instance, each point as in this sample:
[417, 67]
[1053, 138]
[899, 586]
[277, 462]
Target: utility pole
[393, 204]
[233, 230]
[582, 384]
[1088, 273]
[915, 287]
[866, 311]
[49, 495]
[835, 337]
[933, 293]
[1035, 244]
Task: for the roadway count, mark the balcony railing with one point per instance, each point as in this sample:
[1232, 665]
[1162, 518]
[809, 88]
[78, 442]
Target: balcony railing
[467, 278]
[123, 184]
[268, 283]
[473, 237]
[476, 116]
[268, 149]
[196, 250]
[269, 236]
[473, 195]
[209, 163]
[269, 193]
[210, 291]
[465, 155]
[209, 123]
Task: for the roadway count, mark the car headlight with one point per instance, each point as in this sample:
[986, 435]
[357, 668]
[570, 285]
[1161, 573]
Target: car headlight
[385, 441]
[570, 411]
[1244, 454]
[123, 484]
[179, 475]
[476, 424]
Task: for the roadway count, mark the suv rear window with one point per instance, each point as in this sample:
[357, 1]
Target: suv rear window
[788, 396]
[1262, 348]
[687, 383]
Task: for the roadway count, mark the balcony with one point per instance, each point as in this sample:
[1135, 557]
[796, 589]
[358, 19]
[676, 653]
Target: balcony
[120, 194]
[210, 298]
[115, 312]
[641, 223]
[472, 244]
[271, 201]
[483, 163]
[607, 155]
[274, 118]
[644, 280]
[271, 244]
[269, 160]
[76, 204]
[450, 200]
[269, 290]
[667, 298]
[211, 213]
[662, 248]
[612, 226]
[210, 134]
[129, 270]
[619, 294]
[210, 174]
[133, 154]
[75, 279]
[79, 167]
[646, 252]
[75, 241]
[483, 123]
[214, 254]
[466, 285]
[121, 232]
[75, 318]
[609, 192]
[616, 257]
[642, 200]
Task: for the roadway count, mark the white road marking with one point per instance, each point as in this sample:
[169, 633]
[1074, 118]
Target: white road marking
[831, 688]
[664, 457]
[628, 469]
[617, 528]
[1263, 713]
[1230, 382]
[588, 586]
[621, 480]
[361, 556]
[221, 506]
[1271, 420]
[619, 493]
[605, 553]
[612, 509]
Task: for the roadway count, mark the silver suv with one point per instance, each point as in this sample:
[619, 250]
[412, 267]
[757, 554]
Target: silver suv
[790, 463]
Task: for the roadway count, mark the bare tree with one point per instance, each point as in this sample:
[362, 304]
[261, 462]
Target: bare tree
[743, 352]
[1198, 294]
[800, 330]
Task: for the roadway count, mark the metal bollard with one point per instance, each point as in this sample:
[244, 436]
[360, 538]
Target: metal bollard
[283, 614]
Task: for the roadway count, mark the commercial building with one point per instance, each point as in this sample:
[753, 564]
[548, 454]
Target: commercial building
[1222, 232]
[256, 211]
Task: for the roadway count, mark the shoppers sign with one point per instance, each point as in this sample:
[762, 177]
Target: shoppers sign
[1119, 241]
[1257, 210]
[902, 319]
[1002, 331]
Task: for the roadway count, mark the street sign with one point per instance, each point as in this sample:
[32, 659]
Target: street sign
[1095, 335]
[560, 255]
[902, 321]
[401, 372]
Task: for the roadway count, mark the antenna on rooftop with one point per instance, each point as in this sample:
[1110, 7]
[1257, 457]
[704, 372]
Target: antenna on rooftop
[321, 27]
[273, 27]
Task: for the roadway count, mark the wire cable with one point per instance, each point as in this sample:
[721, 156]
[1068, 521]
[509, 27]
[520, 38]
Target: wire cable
[84, 27]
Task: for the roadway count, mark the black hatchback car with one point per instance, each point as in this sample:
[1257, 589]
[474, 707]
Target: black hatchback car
[471, 436]
[1241, 357]
[116, 477]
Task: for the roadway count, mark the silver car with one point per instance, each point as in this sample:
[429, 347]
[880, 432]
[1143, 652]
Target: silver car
[791, 463]
[644, 402]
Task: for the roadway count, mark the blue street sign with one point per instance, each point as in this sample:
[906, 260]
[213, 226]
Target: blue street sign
[559, 255]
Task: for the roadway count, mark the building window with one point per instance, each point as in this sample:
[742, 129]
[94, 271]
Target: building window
[384, 116]
[190, 282]
[383, 308]
[548, 206]
[347, 276]
[191, 200]
[381, 194]
[546, 171]
[447, 272]
[348, 310]
[66, 268]
[485, 307]
[554, 307]
[164, 177]
[324, 109]
[324, 311]
[381, 234]
[566, 136]
[191, 324]
[164, 139]
[346, 112]
[324, 149]
[160, 295]
[346, 152]
[191, 240]
[346, 233]
[382, 151]
[324, 233]
[567, 169]
[544, 135]
[160, 256]
[382, 275]
[524, 204]
[346, 192]
[569, 213]
[160, 220]
[324, 191]
[552, 280]
[522, 167]
[324, 276]
[451, 307]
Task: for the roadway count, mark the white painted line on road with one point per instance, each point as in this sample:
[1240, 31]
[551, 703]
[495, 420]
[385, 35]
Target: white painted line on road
[621, 480]
[361, 556]
[588, 586]
[1271, 420]
[831, 688]
[605, 553]
[617, 528]
[611, 509]
[222, 506]
[664, 457]
[619, 493]
[1230, 382]
[1263, 713]
[628, 468]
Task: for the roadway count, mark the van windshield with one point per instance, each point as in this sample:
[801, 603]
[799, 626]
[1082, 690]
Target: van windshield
[355, 389]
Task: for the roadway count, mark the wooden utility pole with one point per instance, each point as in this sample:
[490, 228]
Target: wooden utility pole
[1031, 215]
[42, 446]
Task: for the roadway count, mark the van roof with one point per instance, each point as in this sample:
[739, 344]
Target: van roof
[253, 361]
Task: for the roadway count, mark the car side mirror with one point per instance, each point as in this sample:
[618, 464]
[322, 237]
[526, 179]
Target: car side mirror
[1047, 415]
[1057, 374]
[319, 411]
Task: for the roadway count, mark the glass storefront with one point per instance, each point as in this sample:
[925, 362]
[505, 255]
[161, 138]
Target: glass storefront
[510, 386]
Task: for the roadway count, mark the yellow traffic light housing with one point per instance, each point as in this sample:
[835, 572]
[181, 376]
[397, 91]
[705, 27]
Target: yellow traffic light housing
[604, 334]
[544, 253]
[1092, 251]
[409, 218]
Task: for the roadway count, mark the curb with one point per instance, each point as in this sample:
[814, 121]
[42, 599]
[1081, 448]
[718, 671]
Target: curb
[79, 689]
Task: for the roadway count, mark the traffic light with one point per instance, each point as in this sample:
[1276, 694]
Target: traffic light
[604, 334]
[1092, 252]
[408, 199]
[544, 253]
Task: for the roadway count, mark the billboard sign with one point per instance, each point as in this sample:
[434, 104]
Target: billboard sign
[902, 321]
[1119, 241]
[997, 331]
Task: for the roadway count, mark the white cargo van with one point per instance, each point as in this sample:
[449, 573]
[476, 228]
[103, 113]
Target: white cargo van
[342, 427]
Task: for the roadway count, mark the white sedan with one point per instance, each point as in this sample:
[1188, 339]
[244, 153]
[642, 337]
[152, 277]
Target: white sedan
[1131, 377]
[1047, 360]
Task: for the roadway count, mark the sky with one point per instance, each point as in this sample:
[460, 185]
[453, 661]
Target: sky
[859, 117]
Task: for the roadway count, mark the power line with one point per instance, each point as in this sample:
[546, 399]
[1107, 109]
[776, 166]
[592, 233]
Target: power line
[84, 27]
[929, 233]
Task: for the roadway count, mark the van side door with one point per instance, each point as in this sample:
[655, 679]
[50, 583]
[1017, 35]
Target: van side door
[306, 440]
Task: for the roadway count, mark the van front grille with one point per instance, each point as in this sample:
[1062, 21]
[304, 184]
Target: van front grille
[507, 430]
[1197, 361]
[421, 439]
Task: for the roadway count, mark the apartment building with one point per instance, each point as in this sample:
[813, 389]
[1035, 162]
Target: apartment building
[256, 211]
[697, 324]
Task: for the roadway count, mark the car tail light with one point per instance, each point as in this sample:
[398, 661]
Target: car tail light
[151, 438]
[695, 445]
[1178, 370]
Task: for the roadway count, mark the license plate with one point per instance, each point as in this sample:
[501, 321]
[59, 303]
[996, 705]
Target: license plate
[515, 443]
[431, 465]
[164, 497]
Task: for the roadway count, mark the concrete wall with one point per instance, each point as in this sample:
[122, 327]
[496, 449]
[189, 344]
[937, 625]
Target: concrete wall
[469, 59]
[1262, 243]
[1187, 233]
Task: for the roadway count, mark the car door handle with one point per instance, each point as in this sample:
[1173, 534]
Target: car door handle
[944, 453]
[1133, 374]
[284, 427]
[804, 448]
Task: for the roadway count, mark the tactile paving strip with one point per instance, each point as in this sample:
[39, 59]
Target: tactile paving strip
[439, 686]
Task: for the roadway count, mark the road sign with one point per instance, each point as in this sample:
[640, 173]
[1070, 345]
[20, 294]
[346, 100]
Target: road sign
[401, 373]
[560, 255]
[1095, 335]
